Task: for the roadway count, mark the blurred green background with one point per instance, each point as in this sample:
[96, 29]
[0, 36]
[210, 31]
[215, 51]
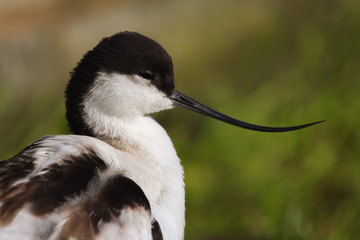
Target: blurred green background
[273, 62]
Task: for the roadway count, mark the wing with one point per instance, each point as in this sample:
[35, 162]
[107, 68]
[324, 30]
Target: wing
[59, 189]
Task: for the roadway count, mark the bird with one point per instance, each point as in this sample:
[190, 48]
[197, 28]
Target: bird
[117, 175]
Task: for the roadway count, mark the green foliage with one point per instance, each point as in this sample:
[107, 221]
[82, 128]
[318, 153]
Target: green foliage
[272, 63]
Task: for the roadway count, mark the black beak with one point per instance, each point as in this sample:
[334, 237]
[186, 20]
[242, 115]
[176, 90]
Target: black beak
[181, 100]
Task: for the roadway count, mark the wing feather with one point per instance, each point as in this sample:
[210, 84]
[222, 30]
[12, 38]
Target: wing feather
[60, 189]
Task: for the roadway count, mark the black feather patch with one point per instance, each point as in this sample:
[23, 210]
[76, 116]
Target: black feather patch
[15, 169]
[48, 190]
[105, 206]
[19, 166]
[156, 231]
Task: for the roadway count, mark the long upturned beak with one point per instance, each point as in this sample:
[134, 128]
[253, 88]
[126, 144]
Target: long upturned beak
[181, 100]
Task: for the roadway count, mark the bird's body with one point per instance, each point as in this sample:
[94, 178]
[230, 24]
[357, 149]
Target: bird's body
[41, 191]
[118, 176]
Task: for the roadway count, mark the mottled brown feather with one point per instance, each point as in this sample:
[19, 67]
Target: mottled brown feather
[51, 189]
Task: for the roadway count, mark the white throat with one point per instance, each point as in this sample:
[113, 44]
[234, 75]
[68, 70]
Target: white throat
[124, 96]
[117, 102]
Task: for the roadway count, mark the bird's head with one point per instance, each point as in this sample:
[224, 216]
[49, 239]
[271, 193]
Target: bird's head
[129, 75]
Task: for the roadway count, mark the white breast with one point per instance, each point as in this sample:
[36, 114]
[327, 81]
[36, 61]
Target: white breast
[155, 167]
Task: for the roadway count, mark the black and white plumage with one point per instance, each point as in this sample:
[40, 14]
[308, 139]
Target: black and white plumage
[119, 176]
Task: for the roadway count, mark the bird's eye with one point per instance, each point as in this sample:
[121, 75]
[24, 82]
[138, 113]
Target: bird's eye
[147, 75]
